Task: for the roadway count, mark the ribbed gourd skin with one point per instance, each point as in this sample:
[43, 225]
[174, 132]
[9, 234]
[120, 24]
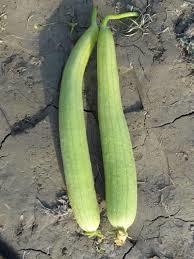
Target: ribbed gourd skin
[118, 160]
[73, 139]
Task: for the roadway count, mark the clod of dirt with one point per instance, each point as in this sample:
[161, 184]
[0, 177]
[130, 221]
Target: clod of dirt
[184, 29]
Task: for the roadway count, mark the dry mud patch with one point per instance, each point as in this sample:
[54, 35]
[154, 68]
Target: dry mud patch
[156, 74]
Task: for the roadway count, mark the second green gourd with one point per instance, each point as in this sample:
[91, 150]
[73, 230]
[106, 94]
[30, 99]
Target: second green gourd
[119, 164]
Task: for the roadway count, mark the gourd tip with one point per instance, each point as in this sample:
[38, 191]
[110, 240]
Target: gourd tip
[121, 236]
[96, 233]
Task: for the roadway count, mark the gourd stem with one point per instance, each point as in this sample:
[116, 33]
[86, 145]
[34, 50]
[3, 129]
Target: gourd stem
[118, 16]
[94, 15]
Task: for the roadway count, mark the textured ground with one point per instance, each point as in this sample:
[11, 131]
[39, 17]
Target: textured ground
[158, 98]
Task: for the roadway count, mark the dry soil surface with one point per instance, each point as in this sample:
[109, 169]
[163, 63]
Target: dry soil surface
[156, 74]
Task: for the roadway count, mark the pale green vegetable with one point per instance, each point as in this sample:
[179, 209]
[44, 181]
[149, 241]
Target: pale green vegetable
[119, 164]
[73, 140]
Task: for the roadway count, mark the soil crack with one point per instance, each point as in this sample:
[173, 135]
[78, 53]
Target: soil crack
[147, 132]
[184, 220]
[175, 119]
[133, 242]
[36, 250]
[4, 139]
[89, 111]
[28, 122]
[136, 107]
[145, 126]
[165, 217]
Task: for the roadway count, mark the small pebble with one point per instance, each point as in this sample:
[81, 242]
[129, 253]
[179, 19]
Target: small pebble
[192, 227]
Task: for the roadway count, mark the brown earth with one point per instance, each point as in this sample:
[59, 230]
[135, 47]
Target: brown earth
[158, 98]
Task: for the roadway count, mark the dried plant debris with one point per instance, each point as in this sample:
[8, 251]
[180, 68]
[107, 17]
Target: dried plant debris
[184, 29]
[136, 27]
[61, 206]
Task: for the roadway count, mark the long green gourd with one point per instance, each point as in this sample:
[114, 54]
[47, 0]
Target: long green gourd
[72, 129]
[119, 164]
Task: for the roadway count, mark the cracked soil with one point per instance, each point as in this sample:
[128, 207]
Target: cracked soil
[157, 88]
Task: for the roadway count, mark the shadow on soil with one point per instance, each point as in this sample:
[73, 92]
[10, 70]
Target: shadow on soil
[57, 39]
[6, 251]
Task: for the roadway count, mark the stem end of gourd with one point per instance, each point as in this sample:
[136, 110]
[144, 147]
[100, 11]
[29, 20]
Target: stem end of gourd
[121, 236]
[94, 15]
[118, 16]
